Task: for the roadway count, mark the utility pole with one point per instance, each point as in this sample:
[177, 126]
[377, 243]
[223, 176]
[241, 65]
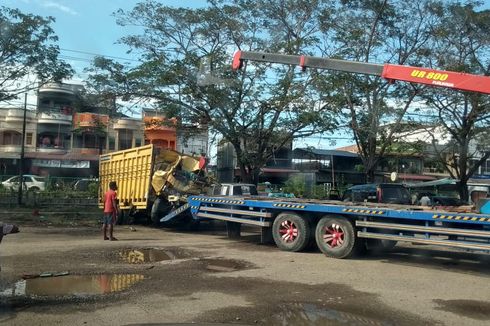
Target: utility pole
[21, 161]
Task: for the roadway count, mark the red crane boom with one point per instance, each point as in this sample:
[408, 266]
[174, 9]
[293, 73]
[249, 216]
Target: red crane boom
[427, 76]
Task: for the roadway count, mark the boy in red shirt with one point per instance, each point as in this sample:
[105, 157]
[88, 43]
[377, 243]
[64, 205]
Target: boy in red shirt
[110, 211]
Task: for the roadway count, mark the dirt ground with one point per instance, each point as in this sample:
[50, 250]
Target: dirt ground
[205, 278]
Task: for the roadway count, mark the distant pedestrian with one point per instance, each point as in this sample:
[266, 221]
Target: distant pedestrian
[425, 201]
[7, 229]
[110, 211]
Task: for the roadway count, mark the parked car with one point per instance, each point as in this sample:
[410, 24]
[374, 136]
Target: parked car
[30, 182]
[391, 193]
[83, 184]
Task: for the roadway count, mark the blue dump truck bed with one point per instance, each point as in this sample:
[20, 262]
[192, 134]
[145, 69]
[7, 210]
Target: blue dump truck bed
[342, 229]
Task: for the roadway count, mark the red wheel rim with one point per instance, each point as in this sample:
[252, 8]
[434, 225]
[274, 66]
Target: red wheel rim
[288, 231]
[333, 235]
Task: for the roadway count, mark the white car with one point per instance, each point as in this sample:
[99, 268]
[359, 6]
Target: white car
[30, 182]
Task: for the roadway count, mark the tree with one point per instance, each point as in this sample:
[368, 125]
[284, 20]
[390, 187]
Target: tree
[27, 48]
[463, 44]
[377, 32]
[185, 70]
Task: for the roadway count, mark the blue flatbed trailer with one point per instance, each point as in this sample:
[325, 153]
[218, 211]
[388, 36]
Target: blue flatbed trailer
[342, 229]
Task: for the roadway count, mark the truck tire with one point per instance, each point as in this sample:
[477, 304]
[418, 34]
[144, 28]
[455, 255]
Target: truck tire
[291, 232]
[159, 209]
[121, 217]
[336, 237]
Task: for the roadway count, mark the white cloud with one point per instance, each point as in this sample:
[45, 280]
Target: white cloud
[63, 8]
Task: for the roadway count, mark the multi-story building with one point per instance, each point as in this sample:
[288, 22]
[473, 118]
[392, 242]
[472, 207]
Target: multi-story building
[69, 130]
[192, 139]
[11, 120]
[159, 130]
[276, 170]
[164, 133]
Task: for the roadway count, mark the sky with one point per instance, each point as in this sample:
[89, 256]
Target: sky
[86, 28]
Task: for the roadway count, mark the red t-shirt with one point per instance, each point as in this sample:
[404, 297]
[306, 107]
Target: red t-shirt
[109, 197]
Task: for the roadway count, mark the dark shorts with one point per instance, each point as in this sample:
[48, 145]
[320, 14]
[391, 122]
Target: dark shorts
[108, 218]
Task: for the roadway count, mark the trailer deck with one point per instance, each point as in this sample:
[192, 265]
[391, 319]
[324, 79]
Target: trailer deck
[289, 220]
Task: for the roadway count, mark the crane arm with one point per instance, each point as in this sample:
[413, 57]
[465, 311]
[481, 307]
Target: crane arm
[427, 76]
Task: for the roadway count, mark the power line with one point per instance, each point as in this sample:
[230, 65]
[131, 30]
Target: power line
[99, 55]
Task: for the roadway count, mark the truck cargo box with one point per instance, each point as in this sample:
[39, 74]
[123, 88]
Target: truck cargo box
[132, 169]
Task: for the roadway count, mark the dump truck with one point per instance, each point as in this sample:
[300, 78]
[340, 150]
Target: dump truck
[151, 182]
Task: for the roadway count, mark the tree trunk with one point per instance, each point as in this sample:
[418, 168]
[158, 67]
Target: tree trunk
[249, 175]
[463, 190]
[370, 175]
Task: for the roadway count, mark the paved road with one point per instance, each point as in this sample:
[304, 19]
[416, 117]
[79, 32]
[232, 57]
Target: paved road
[206, 278]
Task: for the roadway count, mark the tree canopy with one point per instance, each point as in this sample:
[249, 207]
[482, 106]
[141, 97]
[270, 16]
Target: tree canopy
[462, 41]
[185, 68]
[27, 48]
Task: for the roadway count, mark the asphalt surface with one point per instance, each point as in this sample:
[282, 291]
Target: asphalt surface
[205, 278]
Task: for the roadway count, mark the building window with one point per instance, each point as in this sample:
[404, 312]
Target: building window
[29, 138]
[112, 143]
[137, 142]
[12, 138]
[125, 139]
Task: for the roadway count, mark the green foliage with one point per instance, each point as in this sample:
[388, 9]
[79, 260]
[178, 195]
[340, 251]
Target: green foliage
[295, 185]
[185, 71]
[27, 46]
[359, 168]
[185, 57]
[319, 192]
[463, 44]
[93, 189]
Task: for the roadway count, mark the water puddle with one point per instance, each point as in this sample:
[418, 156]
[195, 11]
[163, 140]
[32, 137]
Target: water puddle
[469, 308]
[73, 285]
[312, 314]
[222, 266]
[149, 255]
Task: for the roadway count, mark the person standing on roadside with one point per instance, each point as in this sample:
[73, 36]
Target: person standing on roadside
[110, 211]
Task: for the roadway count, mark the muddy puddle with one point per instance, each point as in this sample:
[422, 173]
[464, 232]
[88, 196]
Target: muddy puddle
[73, 285]
[150, 255]
[468, 308]
[312, 314]
[222, 265]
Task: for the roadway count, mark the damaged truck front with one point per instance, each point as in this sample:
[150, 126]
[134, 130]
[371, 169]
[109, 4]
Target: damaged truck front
[152, 182]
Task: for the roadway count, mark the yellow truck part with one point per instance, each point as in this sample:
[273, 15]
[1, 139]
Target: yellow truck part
[173, 170]
[132, 169]
[141, 172]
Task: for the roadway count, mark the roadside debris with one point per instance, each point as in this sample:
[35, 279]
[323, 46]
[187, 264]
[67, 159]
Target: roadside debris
[27, 276]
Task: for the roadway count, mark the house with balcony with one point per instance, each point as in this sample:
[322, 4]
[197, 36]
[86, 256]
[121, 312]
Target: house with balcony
[277, 169]
[71, 134]
[159, 130]
[11, 120]
[192, 139]
[125, 133]
[335, 167]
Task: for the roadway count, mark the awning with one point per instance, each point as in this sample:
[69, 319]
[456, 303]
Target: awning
[278, 170]
[59, 156]
[418, 177]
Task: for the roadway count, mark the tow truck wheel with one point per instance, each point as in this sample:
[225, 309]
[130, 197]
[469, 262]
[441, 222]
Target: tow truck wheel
[335, 236]
[291, 232]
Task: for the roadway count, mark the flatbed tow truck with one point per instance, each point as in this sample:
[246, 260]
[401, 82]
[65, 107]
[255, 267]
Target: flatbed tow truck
[342, 229]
